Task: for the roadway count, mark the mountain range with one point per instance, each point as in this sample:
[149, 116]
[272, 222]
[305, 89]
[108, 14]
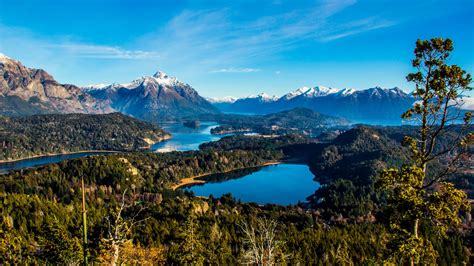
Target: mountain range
[26, 91]
[369, 105]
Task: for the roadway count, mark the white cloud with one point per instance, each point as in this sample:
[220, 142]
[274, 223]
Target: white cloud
[235, 70]
[101, 51]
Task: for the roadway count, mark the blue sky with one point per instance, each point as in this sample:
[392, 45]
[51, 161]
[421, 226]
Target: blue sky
[233, 47]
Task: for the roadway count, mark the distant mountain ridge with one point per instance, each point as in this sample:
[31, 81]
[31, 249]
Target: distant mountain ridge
[374, 104]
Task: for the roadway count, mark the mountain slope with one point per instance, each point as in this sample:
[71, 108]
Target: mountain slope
[58, 133]
[374, 105]
[151, 98]
[259, 104]
[25, 91]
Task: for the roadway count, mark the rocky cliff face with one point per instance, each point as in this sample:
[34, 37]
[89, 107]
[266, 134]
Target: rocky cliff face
[26, 91]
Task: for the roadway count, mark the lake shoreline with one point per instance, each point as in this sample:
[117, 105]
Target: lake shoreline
[193, 180]
[145, 148]
[58, 154]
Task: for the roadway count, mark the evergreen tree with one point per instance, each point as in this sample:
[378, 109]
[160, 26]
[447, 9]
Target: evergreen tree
[418, 193]
[191, 250]
[59, 247]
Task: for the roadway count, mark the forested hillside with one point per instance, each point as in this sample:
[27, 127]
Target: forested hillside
[298, 120]
[28, 136]
[183, 229]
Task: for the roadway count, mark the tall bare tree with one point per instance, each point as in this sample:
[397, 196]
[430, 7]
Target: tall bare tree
[262, 246]
[120, 228]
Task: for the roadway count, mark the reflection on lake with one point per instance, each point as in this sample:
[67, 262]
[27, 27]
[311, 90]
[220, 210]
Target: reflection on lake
[184, 138]
[282, 184]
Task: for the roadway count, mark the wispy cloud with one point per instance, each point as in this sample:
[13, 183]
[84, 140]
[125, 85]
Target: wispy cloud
[101, 51]
[202, 41]
[356, 27]
[235, 70]
[212, 37]
[18, 39]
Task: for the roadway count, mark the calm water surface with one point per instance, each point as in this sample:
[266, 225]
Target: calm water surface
[183, 139]
[282, 184]
[186, 139]
[43, 160]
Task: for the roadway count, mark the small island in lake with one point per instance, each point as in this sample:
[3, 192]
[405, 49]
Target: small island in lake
[192, 124]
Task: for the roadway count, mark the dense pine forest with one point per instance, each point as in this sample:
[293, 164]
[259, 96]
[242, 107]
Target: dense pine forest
[179, 228]
[22, 137]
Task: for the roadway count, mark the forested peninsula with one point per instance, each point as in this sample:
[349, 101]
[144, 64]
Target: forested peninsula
[23, 137]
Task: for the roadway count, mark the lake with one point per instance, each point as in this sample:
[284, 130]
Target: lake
[183, 139]
[282, 184]
[43, 160]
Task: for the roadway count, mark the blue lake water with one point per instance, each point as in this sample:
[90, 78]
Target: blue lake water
[43, 160]
[183, 139]
[283, 184]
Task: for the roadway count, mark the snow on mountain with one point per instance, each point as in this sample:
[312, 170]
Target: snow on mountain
[3, 58]
[320, 91]
[295, 93]
[310, 92]
[154, 97]
[25, 91]
[263, 97]
[159, 78]
[227, 99]
[397, 91]
[346, 92]
[94, 86]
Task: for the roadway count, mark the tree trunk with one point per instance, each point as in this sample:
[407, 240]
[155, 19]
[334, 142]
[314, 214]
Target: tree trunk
[116, 254]
[415, 232]
[415, 228]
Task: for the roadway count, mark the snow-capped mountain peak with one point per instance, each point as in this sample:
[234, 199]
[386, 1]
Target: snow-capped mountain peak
[320, 91]
[295, 93]
[310, 92]
[163, 79]
[398, 91]
[264, 97]
[94, 86]
[160, 75]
